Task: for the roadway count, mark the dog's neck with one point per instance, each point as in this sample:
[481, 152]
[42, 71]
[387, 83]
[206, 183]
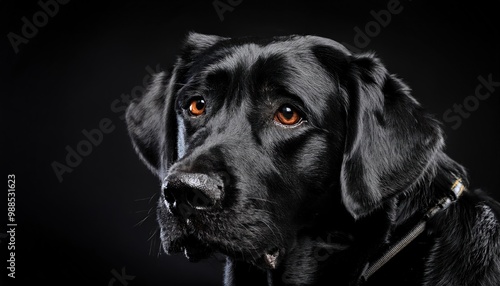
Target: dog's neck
[329, 252]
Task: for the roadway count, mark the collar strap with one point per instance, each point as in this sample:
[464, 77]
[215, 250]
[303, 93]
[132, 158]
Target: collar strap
[457, 189]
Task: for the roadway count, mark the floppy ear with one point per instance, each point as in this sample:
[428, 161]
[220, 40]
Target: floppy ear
[151, 119]
[147, 119]
[390, 141]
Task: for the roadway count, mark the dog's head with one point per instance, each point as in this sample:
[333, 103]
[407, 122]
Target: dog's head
[253, 139]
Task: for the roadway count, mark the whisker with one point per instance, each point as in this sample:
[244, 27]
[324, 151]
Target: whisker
[274, 233]
[152, 197]
[252, 246]
[152, 239]
[153, 234]
[143, 199]
[141, 221]
[262, 199]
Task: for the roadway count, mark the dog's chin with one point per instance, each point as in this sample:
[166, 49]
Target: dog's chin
[199, 239]
[195, 250]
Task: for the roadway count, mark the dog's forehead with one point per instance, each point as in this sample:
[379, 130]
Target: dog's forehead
[288, 64]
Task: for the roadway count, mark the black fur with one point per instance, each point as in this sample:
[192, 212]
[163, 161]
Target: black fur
[329, 195]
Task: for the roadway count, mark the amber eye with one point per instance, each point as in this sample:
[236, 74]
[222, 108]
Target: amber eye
[197, 107]
[287, 115]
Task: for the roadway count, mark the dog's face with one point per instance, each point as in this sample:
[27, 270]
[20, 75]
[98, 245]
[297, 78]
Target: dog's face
[254, 140]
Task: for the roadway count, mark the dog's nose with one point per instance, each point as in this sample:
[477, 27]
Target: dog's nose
[186, 193]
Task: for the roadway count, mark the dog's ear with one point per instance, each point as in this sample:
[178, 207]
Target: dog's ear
[146, 119]
[151, 119]
[390, 141]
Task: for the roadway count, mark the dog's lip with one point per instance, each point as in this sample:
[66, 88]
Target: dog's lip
[196, 243]
[191, 247]
[195, 250]
[195, 253]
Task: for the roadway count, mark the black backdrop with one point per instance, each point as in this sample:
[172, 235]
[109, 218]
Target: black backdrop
[72, 68]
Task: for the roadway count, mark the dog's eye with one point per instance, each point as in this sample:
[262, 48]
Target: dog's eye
[287, 115]
[197, 107]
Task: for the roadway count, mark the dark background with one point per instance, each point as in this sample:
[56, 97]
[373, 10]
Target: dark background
[64, 80]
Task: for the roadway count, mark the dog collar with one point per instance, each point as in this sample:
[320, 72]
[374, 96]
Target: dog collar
[457, 189]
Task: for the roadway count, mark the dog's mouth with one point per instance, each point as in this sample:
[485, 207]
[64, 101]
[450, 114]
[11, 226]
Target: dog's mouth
[197, 241]
[195, 250]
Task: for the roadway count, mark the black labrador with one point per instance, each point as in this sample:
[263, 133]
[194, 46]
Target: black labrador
[306, 164]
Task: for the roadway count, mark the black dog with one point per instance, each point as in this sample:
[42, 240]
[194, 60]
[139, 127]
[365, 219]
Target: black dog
[306, 165]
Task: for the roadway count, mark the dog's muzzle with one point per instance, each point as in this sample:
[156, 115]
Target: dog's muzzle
[188, 193]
